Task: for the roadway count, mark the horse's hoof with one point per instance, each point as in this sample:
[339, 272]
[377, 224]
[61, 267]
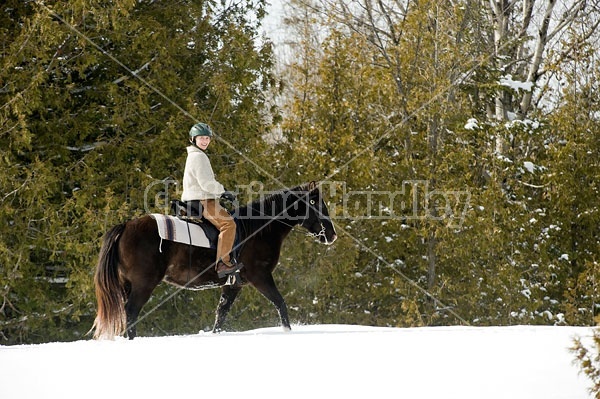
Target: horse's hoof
[287, 329]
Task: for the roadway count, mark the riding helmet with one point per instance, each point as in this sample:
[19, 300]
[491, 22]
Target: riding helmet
[200, 129]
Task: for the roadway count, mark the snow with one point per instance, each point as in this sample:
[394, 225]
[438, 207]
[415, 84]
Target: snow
[472, 124]
[340, 361]
[529, 166]
[516, 85]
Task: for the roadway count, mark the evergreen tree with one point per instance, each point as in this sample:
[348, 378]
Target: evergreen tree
[411, 89]
[98, 99]
[572, 191]
[588, 360]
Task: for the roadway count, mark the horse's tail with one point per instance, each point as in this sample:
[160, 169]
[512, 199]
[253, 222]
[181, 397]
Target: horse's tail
[110, 318]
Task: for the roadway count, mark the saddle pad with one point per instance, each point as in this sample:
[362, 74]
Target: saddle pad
[174, 229]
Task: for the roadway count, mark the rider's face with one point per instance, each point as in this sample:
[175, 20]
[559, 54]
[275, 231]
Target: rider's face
[202, 142]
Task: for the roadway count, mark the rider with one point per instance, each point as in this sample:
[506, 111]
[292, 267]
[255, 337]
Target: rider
[200, 185]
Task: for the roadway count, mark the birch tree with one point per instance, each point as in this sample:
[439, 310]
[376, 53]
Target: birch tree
[520, 40]
[526, 45]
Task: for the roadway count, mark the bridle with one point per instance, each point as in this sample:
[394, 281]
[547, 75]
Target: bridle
[321, 233]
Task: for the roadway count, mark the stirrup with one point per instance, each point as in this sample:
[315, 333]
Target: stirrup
[234, 268]
[234, 279]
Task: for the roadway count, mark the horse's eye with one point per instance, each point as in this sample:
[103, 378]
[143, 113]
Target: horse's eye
[312, 202]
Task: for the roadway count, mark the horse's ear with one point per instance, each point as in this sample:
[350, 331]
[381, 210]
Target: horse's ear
[313, 185]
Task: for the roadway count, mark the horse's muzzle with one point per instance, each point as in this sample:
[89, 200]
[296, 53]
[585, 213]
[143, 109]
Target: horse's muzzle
[329, 241]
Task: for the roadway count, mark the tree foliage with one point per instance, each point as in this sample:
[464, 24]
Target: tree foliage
[588, 360]
[450, 100]
[97, 101]
[457, 143]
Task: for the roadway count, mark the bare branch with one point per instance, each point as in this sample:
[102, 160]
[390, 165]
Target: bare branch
[540, 46]
[568, 17]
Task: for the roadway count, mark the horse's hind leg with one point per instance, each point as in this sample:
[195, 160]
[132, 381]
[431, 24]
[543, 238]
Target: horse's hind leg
[137, 298]
[228, 295]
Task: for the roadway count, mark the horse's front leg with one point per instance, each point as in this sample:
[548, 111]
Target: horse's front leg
[268, 288]
[228, 295]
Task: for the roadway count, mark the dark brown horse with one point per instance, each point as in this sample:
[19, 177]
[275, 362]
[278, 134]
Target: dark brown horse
[133, 260]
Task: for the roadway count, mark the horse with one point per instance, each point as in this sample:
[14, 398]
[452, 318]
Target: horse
[133, 259]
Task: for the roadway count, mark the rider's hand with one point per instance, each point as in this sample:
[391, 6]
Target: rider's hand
[228, 196]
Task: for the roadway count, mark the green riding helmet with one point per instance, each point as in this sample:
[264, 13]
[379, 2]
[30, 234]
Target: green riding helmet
[200, 129]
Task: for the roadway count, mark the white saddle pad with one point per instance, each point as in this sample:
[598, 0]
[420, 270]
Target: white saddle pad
[174, 229]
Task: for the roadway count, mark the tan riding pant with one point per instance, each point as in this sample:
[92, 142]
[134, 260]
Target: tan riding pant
[222, 220]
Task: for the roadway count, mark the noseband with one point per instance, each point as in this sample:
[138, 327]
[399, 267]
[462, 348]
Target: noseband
[321, 233]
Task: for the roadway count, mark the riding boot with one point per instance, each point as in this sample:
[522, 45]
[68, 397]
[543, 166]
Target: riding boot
[224, 269]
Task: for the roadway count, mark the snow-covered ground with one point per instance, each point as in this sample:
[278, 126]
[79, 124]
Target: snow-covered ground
[321, 361]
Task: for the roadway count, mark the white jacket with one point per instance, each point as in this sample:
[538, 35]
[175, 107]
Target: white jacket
[198, 178]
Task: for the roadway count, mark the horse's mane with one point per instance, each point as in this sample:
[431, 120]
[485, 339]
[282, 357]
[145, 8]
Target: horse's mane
[268, 207]
[276, 199]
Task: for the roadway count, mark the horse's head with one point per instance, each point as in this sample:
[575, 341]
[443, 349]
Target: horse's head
[316, 215]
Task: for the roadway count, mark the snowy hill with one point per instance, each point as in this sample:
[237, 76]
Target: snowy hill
[336, 361]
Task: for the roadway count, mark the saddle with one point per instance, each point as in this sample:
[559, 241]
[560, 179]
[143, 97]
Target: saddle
[191, 212]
